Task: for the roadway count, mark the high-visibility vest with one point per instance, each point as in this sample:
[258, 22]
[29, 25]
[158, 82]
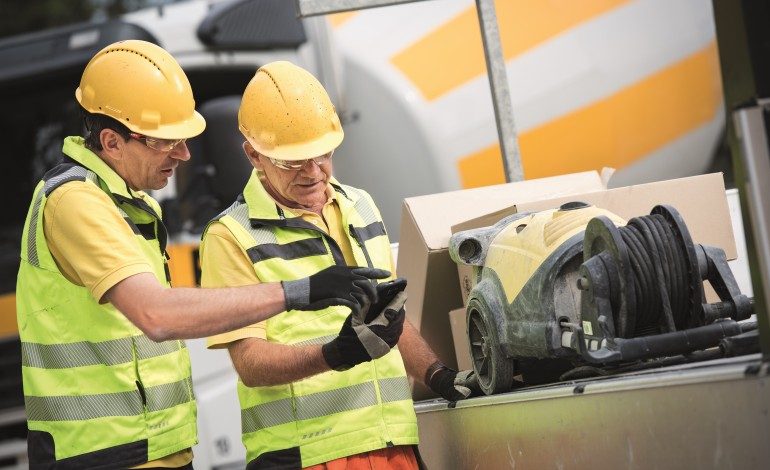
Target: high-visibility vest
[98, 392]
[333, 414]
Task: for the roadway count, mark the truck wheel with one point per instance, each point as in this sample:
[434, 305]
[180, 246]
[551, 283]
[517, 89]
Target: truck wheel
[493, 369]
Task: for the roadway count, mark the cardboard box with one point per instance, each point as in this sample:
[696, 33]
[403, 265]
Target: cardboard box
[423, 257]
[460, 339]
[700, 200]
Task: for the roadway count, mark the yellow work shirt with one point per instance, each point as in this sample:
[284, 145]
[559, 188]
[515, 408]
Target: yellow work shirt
[94, 247]
[225, 264]
[92, 244]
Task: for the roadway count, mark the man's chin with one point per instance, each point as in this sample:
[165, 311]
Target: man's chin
[159, 185]
[310, 200]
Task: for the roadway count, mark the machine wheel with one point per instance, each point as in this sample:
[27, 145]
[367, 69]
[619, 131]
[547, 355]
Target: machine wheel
[493, 369]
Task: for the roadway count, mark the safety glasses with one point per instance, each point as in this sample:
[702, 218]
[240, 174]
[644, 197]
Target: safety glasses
[162, 145]
[297, 164]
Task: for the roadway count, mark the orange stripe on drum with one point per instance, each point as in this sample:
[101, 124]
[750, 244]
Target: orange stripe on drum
[614, 131]
[452, 54]
[338, 19]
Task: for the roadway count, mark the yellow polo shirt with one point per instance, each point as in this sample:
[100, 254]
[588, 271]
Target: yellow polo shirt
[94, 247]
[225, 264]
[91, 243]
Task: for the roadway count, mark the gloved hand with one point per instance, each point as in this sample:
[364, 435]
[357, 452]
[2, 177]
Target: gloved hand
[359, 341]
[335, 285]
[386, 291]
[450, 384]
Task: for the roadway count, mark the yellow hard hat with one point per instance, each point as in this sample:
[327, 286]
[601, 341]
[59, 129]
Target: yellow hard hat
[140, 85]
[286, 114]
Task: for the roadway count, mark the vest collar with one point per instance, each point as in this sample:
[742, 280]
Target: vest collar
[262, 206]
[74, 147]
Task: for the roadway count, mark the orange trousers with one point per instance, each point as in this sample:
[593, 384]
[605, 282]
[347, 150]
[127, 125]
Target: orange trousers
[389, 458]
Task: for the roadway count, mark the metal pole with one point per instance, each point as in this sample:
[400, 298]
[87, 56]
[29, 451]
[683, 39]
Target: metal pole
[493, 53]
[501, 96]
[751, 127]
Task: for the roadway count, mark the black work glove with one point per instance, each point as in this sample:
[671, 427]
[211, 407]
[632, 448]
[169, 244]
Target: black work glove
[386, 291]
[450, 384]
[335, 285]
[361, 341]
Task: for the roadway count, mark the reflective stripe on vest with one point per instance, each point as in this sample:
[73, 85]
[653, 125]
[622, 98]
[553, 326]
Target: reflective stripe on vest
[324, 403]
[292, 250]
[131, 403]
[86, 353]
[73, 173]
[371, 227]
[32, 257]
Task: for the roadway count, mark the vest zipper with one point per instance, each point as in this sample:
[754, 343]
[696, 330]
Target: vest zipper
[373, 364]
[331, 242]
[361, 245]
[161, 233]
[160, 227]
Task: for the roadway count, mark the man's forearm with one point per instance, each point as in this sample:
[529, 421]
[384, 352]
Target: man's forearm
[261, 363]
[182, 313]
[417, 355]
[195, 313]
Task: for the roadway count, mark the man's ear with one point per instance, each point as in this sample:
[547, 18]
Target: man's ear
[112, 144]
[252, 155]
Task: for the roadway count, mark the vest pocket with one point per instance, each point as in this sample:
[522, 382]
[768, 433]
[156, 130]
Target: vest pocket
[142, 394]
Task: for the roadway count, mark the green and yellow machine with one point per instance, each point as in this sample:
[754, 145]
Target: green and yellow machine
[576, 291]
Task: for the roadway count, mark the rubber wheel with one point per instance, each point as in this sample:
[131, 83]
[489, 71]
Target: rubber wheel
[493, 369]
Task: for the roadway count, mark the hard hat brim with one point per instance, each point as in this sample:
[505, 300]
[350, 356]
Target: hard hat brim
[186, 129]
[301, 151]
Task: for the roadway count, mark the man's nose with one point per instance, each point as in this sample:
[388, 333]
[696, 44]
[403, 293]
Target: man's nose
[180, 152]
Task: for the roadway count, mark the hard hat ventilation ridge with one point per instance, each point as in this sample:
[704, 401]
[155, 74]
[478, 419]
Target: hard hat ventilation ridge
[280, 92]
[137, 53]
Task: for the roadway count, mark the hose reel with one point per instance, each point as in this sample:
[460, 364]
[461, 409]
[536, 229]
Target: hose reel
[642, 290]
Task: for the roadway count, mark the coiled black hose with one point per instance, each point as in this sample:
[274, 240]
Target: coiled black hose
[659, 265]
